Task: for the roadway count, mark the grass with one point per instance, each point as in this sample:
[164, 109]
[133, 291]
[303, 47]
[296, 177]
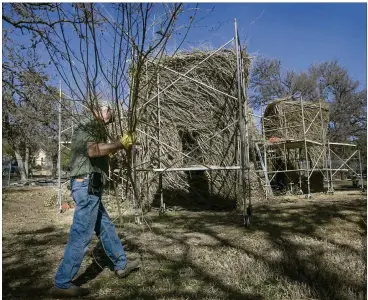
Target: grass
[294, 249]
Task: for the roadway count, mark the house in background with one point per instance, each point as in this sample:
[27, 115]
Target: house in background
[41, 160]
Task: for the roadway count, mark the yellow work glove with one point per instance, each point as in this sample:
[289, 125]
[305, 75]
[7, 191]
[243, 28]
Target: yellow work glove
[128, 139]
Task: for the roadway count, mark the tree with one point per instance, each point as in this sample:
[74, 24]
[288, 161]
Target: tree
[101, 51]
[29, 113]
[268, 82]
[348, 104]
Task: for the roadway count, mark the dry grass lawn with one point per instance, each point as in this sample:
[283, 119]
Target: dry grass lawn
[294, 249]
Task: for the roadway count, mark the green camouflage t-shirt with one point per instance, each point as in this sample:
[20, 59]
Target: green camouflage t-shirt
[80, 163]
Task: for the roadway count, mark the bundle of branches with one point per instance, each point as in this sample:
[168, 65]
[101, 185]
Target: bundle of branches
[189, 117]
[283, 121]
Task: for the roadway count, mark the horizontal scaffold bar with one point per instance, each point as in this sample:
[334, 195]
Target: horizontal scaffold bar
[290, 144]
[300, 170]
[341, 144]
[193, 168]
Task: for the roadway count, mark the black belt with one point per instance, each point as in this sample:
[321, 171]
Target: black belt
[82, 176]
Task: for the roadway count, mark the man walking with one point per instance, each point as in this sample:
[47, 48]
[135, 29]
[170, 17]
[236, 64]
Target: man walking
[89, 168]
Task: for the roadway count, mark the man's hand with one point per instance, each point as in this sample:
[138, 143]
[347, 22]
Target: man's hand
[128, 139]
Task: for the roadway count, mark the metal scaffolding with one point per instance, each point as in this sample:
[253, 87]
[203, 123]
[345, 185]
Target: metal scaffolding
[300, 154]
[278, 150]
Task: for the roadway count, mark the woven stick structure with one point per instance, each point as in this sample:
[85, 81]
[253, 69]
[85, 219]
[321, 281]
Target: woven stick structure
[295, 136]
[283, 120]
[292, 121]
[189, 119]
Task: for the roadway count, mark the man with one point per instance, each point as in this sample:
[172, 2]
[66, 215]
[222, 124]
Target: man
[89, 169]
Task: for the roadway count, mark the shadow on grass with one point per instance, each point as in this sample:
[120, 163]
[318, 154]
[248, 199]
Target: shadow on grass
[279, 223]
[169, 270]
[26, 265]
[47, 229]
[195, 200]
[25, 269]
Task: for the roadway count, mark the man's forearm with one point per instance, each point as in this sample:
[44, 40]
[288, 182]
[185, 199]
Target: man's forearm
[102, 149]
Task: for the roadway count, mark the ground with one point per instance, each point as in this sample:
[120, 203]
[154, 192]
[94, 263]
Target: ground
[294, 249]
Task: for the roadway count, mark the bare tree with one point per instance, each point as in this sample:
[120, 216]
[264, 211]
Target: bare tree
[28, 116]
[100, 50]
[348, 104]
[268, 81]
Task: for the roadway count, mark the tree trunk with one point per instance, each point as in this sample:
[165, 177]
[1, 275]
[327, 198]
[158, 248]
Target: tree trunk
[54, 166]
[22, 171]
[26, 162]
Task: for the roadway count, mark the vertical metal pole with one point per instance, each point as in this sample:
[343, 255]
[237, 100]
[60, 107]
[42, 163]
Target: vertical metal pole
[265, 151]
[239, 159]
[361, 171]
[121, 174]
[59, 152]
[305, 147]
[300, 167]
[325, 161]
[68, 173]
[247, 136]
[268, 185]
[330, 169]
[236, 172]
[241, 126]
[132, 187]
[162, 204]
[327, 170]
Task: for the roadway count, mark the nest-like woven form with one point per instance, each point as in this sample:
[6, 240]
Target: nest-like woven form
[283, 121]
[190, 115]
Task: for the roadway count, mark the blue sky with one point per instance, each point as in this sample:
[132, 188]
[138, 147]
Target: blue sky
[297, 33]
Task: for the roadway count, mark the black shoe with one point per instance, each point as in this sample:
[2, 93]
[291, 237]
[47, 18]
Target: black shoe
[130, 266]
[73, 291]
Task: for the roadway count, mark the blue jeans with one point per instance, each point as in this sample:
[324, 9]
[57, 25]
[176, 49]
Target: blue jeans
[89, 216]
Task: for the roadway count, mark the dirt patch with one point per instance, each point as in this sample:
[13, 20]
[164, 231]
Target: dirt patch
[294, 249]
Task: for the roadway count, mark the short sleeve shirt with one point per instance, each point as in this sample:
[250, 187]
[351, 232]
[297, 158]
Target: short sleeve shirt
[80, 162]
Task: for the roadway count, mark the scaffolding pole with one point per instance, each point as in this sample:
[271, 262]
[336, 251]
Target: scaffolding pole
[243, 134]
[162, 204]
[59, 151]
[248, 136]
[305, 148]
[268, 189]
[330, 186]
[324, 134]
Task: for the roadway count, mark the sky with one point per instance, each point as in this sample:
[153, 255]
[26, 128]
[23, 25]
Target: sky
[299, 34]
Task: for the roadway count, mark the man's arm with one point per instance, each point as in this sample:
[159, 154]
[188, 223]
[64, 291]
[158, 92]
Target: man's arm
[96, 149]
